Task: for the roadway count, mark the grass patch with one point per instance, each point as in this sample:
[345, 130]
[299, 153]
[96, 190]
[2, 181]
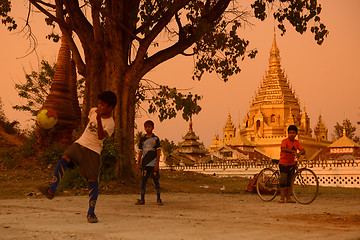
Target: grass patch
[182, 181]
[20, 182]
[339, 191]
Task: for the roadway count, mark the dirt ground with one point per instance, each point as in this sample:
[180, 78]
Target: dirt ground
[183, 216]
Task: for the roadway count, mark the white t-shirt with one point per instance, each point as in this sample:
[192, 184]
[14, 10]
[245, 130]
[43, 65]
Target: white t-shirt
[89, 138]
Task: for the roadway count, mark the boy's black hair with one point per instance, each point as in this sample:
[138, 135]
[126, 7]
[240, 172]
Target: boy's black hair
[293, 127]
[108, 97]
[149, 122]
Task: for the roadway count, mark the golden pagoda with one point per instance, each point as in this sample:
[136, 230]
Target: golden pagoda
[275, 107]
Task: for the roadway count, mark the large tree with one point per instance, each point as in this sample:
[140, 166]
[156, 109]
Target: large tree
[117, 43]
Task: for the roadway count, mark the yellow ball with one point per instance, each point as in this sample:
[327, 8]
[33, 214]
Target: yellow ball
[46, 118]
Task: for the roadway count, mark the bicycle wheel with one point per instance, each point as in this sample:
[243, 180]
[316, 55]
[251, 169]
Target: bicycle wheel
[267, 184]
[305, 186]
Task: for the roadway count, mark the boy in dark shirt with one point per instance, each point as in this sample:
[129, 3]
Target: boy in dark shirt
[148, 161]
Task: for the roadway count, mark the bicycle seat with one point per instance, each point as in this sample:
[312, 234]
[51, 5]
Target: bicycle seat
[276, 161]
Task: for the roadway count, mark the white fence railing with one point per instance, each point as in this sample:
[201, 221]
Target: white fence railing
[335, 174]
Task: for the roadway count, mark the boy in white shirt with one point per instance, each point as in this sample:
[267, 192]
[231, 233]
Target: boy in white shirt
[85, 152]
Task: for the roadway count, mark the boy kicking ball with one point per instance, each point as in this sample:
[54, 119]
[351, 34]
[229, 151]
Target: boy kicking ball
[85, 152]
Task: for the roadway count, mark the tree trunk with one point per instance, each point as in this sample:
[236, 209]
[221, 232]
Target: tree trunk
[123, 86]
[95, 75]
[98, 72]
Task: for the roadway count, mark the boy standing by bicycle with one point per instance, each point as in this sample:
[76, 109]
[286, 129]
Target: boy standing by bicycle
[290, 147]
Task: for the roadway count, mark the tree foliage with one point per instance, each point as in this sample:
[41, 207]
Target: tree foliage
[37, 87]
[5, 8]
[349, 130]
[168, 101]
[297, 13]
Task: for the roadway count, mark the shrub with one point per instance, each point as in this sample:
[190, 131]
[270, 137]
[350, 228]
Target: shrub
[52, 154]
[28, 148]
[109, 155]
[7, 158]
[72, 180]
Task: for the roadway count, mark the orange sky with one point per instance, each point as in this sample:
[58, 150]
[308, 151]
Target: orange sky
[326, 78]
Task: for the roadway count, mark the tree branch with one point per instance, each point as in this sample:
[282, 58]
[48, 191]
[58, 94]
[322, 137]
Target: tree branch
[166, 54]
[122, 26]
[67, 33]
[49, 15]
[181, 30]
[144, 45]
[95, 13]
[178, 48]
[47, 4]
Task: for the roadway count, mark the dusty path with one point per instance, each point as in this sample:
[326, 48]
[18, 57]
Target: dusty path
[183, 216]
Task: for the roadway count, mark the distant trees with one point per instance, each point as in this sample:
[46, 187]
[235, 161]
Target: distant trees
[10, 127]
[168, 147]
[349, 130]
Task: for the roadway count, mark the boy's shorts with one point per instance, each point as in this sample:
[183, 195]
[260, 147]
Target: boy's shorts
[87, 160]
[148, 172]
[286, 173]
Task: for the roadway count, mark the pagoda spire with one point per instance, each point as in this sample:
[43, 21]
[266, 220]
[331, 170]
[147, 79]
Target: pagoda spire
[320, 129]
[305, 122]
[275, 88]
[229, 129]
[291, 119]
[274, 60]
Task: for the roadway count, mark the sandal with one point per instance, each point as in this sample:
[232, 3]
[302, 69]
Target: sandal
[281, 201]
[290, 201]
[140, 202]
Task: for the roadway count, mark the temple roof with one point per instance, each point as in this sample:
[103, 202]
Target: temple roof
[190, 143]
[343, 142]
[275, 87]
[240, 141]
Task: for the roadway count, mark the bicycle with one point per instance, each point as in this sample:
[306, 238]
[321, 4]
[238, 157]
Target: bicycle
[304, 184]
